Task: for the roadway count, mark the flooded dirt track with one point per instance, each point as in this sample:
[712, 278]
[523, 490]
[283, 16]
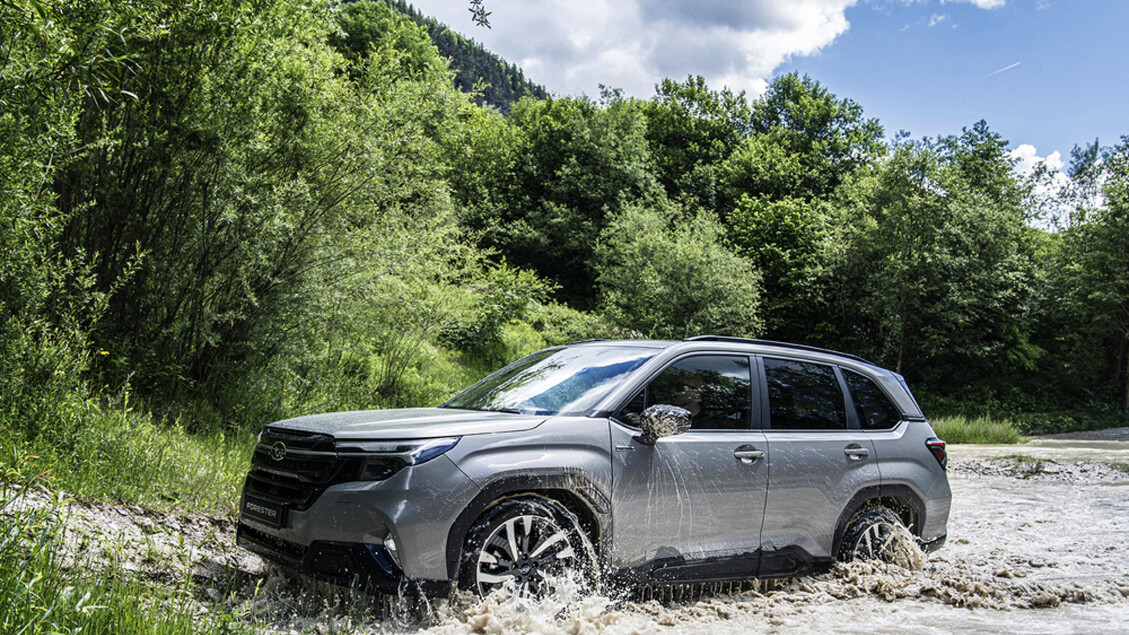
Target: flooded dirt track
[1038, 543]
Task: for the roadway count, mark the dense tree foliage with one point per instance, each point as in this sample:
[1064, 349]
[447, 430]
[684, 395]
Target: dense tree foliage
[1088, 271]
[579, 164]
[245, 157]
[804, 141]
[935, 264]
[250, 209]
[691, 131]
[787, 239]
[367, 26]
[668, 277]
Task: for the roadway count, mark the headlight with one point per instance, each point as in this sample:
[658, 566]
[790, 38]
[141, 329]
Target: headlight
[382, 459]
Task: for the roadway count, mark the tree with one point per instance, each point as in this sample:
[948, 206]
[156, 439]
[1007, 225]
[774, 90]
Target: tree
[804, 141]
[244, 165]
[481, 156]
[787, 239]
[776, 191]
[578, 163]
[675, 279]
[691, 130]
[369, 25]
[933, 268]
[56, 56]
[1090, 280]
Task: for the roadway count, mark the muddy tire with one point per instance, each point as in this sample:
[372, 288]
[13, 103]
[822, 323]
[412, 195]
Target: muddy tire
[528, 543]
[879, 534]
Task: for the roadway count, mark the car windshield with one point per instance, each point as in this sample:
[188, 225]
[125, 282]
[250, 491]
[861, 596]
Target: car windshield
[566, 381]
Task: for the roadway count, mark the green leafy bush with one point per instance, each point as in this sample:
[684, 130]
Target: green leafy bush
[502, 295]
[986, 430]
[674, 280]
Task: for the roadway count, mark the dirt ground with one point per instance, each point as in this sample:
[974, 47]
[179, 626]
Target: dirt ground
[1109, 434]
[1038, 543]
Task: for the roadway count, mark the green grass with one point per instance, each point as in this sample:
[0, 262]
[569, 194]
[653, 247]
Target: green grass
[983, 430]
[41, 592]
[101, 451]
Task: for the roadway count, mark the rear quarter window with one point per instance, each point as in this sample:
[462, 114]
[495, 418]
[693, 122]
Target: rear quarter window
[874, 409]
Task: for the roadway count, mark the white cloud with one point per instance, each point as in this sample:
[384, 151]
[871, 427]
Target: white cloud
[937, 19]
[1027, 159]
[983, 4]
[1048, 187]
[573, 46]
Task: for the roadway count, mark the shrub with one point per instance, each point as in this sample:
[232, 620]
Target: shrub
[675, 281]
[986, 430]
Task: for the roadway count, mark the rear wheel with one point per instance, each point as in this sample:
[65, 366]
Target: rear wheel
[879, 534]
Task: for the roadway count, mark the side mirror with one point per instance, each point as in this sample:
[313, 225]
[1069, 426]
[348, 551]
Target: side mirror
[662, 420]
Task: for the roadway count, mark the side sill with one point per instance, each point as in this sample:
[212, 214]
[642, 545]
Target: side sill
[778, 563]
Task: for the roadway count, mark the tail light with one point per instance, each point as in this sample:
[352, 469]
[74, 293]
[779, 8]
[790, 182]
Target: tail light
[937, 449]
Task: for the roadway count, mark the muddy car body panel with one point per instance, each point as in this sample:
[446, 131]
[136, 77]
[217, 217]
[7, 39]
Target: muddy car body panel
[782, 448]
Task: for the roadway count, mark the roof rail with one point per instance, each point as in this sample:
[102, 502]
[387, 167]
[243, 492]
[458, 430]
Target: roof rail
[802, 347]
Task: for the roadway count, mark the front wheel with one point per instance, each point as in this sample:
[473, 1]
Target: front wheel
[529, 543]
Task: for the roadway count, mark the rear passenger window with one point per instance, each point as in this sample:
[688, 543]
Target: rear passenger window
[874, 409]
[803, 396]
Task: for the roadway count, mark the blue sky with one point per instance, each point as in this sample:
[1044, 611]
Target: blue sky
[1045, 74]
[1050, 74]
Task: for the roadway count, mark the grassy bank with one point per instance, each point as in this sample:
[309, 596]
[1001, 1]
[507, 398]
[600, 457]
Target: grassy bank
[985, 430]
[116, 453]
[49, 587]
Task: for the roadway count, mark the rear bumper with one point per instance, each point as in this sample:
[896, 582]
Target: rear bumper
[929, 546]
[342, 563]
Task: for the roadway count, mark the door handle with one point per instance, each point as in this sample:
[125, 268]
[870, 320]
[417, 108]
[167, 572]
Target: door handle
[748, 454]
[856, 451]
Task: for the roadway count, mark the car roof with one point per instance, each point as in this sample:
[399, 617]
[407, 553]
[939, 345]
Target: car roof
[761, 345]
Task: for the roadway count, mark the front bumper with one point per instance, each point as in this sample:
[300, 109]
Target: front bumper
[340, 536]
[343, 563]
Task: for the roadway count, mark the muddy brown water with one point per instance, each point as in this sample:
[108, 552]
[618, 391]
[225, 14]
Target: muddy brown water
[1038, 543]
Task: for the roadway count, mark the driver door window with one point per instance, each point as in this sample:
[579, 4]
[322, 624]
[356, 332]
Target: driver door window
[716, 389]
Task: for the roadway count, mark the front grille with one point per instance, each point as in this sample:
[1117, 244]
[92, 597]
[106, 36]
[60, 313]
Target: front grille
[309, 465]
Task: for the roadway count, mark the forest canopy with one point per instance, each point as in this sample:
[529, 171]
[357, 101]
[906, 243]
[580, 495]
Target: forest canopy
[236, 211]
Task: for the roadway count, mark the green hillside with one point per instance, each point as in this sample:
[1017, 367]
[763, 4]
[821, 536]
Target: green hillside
[499, 82]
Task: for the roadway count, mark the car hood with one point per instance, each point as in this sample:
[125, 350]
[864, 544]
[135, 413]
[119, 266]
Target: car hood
[409, 423]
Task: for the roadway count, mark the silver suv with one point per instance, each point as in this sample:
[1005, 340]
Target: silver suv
[650, 462]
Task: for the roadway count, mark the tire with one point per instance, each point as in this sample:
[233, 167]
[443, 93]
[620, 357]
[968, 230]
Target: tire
[879, 534]
[546, 538]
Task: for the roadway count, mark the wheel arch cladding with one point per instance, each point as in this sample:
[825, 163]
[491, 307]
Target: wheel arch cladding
[900, 499]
